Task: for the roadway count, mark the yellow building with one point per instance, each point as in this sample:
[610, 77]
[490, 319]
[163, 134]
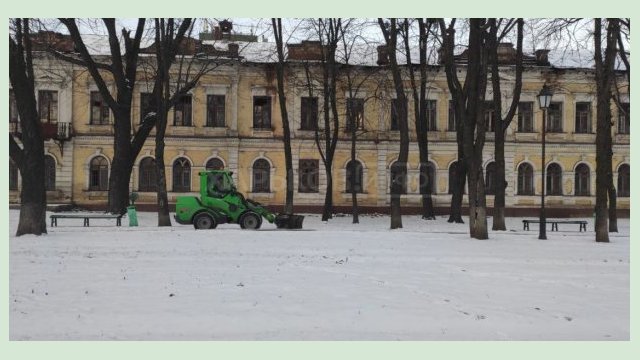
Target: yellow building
[232, 119]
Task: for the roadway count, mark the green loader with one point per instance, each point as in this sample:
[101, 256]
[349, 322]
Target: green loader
[221, 203]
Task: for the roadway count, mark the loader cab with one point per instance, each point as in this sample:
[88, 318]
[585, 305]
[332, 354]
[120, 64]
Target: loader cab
[219, 183]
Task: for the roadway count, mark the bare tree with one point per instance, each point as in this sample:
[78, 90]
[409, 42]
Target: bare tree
[469, 103]
[329, 32]
[448, 33]
[30, 158]
[168, 38]
[623, 37]
[502, 124]
[420, 109]
[277, 31]
[390, 32]
[357, 77]
[123, 69]
[604, 80]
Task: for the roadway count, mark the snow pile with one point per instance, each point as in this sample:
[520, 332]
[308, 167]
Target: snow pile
[330, 281]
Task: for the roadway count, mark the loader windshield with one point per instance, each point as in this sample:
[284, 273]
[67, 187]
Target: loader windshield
[217, 185]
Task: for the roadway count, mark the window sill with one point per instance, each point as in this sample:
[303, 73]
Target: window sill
[261, 195]
[96, 192]
[215, 131]
[261, 132]
[100, 129]
[182, 130]
[360, 195]
[308, 195]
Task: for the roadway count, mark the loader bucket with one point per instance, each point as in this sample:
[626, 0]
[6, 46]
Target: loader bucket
[284, 221]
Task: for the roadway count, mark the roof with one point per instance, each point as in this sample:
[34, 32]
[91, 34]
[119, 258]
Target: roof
[359, 54]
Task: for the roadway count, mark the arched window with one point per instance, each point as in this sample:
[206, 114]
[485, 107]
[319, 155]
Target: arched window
[354, 176]
[181, 175]
[49, 173]
[490, 179]
[554, 179]
[397, 177]
[525, 179]
[624, 180]
[583, 175]
[99, 174]
[148, 180]
[214, 164]
[453, 176]
[261, 176]
[13, 176]
[430, 181]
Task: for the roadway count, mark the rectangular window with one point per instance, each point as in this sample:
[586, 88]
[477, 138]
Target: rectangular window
[308, 113]
[554, 118]
[48, 106]
[355, 114]
[624, 114]
[215, 110]
[146, 106]
[182, 111]
[432, 115]
[452, 117]
[262, 112]
[489, 122]
[13, 107]
[583, 117]
[525, 117]
[394, 115]
[308, 176]
[99, 110]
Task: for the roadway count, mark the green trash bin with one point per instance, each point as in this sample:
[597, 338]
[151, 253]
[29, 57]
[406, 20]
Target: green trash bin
[133, 216]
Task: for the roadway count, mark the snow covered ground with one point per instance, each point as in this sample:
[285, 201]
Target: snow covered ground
[335, 281]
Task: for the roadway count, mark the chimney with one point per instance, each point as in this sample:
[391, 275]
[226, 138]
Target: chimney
[307, 50]
[542, 57]
[217, 34]
[233, 49]
[383, 55]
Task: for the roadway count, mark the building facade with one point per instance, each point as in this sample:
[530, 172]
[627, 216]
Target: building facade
[231, 120]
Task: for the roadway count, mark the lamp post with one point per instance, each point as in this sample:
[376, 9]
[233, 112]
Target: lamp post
[544, 100]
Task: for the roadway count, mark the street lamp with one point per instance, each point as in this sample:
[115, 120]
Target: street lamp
[544, 100]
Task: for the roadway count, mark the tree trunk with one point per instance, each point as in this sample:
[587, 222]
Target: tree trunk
[604, 76]
[354, 208]
[455, 213]
[277, 28]
[327, 211]
[425, 190]
[480, 225]
[501, 125]
[29, 159]
[500, 183]
[354, 194]
[613, 200]
[163, 201]
[390, 36]
[120, 175]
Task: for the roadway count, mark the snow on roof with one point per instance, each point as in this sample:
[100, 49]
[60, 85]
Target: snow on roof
[359, 54]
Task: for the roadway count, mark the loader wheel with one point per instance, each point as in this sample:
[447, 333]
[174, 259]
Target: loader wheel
[250, 221]
[204, 221]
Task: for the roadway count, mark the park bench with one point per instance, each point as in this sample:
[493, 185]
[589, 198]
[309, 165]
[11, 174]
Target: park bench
[554, 223]
[85, 217]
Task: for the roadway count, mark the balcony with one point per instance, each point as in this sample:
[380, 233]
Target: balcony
[50, 131]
